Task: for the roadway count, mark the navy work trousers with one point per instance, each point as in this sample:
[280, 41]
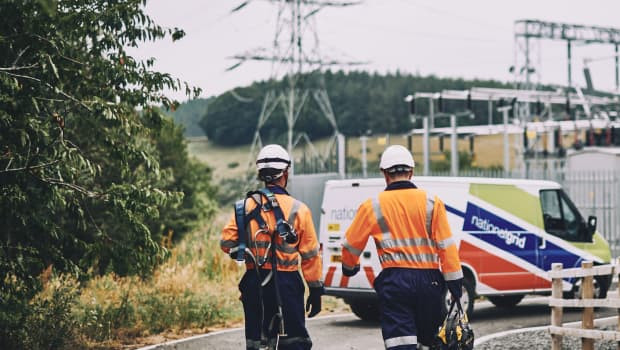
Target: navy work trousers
[292, 294]
[410, 301]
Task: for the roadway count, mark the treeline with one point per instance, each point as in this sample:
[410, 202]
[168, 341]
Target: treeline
[362, 102]
[189, 114]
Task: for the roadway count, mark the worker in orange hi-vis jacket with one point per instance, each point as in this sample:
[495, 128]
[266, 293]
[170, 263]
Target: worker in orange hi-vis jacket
[416, 251]
[270, 232]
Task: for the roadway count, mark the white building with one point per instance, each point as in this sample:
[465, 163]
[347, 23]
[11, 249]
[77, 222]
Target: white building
[594, 158]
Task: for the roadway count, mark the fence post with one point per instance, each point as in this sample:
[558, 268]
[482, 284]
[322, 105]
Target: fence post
[587, 317]
[556, 311]
[616, 262]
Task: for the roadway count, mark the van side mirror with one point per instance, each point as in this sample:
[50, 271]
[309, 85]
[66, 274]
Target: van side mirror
[591, 225]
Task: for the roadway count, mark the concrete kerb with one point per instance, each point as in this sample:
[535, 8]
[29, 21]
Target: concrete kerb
[599, 322]
[193, 343]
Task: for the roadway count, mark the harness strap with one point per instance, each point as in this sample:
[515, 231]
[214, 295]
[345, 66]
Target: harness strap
[272, 204]
[241, 229]
[285, 228]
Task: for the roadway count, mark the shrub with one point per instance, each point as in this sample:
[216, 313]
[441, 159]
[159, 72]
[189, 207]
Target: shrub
[49, 323]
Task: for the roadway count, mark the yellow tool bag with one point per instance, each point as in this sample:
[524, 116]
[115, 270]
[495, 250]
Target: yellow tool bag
[454, 333]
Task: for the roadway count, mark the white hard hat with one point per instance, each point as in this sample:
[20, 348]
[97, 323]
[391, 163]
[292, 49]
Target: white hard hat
[396, 155]
[273, 157]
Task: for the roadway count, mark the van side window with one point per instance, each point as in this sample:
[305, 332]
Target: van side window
[560, 215]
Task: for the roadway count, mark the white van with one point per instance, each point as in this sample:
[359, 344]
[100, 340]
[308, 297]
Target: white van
[509, 232]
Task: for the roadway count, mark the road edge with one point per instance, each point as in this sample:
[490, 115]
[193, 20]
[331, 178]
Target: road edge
[187, 343]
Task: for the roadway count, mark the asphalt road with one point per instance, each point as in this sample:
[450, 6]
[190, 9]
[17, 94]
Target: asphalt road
[346, 331]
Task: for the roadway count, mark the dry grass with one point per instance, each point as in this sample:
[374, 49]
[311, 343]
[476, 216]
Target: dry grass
[194, 292]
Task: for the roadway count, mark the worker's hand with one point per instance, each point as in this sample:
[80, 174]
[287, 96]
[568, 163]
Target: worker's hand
[233, 253]
[314, 301]
[348, 272]
[456, 288]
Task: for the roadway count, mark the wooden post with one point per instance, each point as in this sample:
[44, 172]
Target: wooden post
[587, 292]
[556, 311]
[619, 297]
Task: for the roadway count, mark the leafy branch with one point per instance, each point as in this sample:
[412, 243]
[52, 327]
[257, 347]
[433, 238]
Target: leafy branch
[29, 167]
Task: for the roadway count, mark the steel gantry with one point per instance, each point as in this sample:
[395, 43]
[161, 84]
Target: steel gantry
[527, 29]
[597, 111]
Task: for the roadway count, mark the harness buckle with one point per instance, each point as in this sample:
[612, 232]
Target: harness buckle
[261, 260]
[287, 232]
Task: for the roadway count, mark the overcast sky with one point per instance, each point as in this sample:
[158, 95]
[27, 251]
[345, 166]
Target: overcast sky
[468, 39]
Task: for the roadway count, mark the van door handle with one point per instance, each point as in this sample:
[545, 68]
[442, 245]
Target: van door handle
[543, 243]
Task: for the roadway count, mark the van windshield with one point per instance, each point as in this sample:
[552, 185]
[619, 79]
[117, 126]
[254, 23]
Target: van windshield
[560, 216]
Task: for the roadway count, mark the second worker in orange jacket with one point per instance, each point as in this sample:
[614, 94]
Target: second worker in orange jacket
[416, 251]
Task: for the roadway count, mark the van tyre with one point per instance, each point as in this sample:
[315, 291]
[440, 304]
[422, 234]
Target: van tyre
[601, 286]
[367, 310]
[506, 301]
[467, 299]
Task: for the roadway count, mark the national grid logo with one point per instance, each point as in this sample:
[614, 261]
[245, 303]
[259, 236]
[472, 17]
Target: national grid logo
[480, 221]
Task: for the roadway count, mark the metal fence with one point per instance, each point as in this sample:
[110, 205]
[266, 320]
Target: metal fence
[593, 192]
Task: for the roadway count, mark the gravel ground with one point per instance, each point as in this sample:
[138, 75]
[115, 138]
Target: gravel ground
[541, 340]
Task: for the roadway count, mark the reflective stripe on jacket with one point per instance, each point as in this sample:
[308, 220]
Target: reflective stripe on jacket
[410, 230]
[288, 256]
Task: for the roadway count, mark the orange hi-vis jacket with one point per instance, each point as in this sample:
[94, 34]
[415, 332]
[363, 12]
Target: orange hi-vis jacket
[410, 230]
[287, 255]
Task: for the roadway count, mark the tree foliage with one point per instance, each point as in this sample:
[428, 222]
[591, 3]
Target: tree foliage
[90, 173]
[361, 101]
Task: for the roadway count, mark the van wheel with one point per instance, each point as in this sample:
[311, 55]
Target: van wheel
[467, 299]
[601, 286]
[506, 301]
[366, 310]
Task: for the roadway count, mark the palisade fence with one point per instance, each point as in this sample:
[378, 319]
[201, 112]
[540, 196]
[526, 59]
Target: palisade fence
[593, 192]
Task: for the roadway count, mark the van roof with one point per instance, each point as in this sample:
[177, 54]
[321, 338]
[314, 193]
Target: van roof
[448, 179]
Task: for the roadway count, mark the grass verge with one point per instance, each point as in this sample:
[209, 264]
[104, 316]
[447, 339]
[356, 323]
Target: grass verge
[194, 292]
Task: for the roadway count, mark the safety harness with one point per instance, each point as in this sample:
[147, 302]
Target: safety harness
[284, 230]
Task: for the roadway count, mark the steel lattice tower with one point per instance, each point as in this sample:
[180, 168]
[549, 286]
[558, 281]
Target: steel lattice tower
[294, 52]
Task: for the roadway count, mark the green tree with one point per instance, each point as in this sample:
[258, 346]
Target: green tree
[185, 175]
[88, 174]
